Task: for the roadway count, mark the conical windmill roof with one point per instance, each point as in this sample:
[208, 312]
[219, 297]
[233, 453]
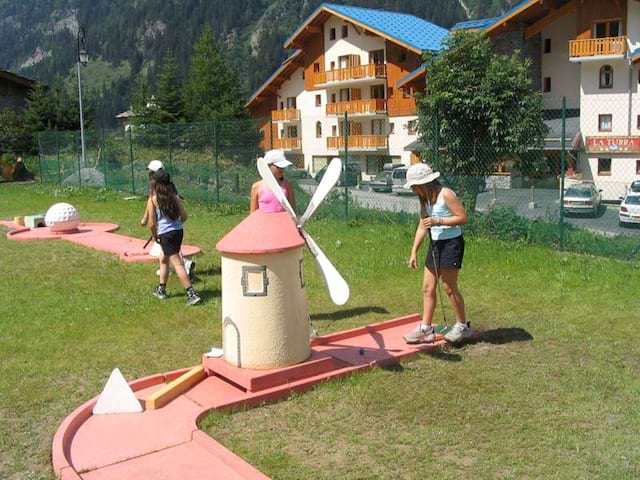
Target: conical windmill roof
[262, 232]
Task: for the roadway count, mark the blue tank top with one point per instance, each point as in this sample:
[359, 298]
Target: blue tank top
[441, 210]
[166, 224]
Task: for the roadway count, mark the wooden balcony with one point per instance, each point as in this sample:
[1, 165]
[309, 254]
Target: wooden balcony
[286, 115]
[402, 107]
[361, 72]
[287, 143]
[359, 142]
[594, 47]
[358, 107]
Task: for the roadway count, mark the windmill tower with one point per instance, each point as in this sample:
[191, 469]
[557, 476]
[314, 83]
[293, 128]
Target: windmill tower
[265, 321]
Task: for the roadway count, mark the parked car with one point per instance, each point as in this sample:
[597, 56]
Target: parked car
[582, 198]
[635, 186]
[354, 174]
[294, 174]
[382, 182]
[388, 167]
[629, 210]
[398, 179]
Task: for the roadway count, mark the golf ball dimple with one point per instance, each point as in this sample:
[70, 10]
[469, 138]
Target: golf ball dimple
[62, 217]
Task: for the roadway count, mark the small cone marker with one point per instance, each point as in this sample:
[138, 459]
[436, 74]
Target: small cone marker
[117, 396]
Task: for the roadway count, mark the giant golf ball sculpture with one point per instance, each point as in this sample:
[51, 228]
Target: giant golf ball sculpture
[265, 320]
[62, 217]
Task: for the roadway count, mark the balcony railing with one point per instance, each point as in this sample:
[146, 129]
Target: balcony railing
[359, 142]
[401, 106]
[358, 107]
[371, 70]
[598, 46]
[287, 143]
[285, 115]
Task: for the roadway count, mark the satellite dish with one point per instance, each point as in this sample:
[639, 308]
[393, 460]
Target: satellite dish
[338, 288]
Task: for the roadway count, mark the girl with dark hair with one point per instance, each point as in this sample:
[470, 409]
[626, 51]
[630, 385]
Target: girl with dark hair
[167, 215]
[441, 215]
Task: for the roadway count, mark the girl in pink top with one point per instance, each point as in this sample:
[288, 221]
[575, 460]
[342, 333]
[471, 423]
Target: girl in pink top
[261, 197]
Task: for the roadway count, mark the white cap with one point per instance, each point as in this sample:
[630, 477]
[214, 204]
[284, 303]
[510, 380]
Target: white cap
[277, 158]
[155, 165]
[419, 174]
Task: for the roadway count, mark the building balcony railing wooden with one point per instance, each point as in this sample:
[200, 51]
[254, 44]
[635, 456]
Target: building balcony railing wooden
[359, 142]
[285, 115]
[358, 107]
[287, 143]
[598, 46]
[360, 72]
[400, 107]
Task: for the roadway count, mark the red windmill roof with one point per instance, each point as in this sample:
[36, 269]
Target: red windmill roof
[262, 232]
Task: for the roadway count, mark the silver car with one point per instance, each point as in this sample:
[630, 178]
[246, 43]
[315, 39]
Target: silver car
[582, 198]
[398, 179]
[629, 211]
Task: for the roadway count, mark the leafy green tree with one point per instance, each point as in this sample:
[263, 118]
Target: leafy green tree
[480, 108]
[212, 90]
[14, 136]
[170, 104]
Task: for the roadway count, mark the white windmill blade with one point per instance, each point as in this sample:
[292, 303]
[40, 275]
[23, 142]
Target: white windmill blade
[338, 288]
[267, 175]
[331, 176]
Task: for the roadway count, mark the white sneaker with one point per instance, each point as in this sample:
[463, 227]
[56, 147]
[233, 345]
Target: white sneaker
[458, 333]
[422, 334]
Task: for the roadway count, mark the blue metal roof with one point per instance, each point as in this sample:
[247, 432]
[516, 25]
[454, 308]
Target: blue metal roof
[406, 28]
[479, 24]
[635, 53]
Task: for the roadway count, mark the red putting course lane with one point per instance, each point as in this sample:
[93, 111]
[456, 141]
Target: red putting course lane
[96, 236]
[166, 444]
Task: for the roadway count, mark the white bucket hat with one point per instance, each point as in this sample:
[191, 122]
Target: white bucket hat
[419, 174]
[277, 158]
[155, 165]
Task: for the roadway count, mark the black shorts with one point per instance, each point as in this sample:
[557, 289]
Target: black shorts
[171, 242]
[447, 253]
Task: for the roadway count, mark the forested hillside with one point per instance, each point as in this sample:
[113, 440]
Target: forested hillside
[126, 37]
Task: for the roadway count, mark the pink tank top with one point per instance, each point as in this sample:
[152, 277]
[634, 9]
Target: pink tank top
[267, 201]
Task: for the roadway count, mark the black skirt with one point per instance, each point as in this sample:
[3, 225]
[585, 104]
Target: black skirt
[171, 242]
[446, 253]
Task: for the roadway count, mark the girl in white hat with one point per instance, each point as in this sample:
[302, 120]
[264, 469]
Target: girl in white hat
[441, 215]
[261, 197]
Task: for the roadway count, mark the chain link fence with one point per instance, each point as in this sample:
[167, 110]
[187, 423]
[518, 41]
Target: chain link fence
[511, 195]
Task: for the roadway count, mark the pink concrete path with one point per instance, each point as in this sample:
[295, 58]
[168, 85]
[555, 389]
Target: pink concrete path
[166, 444]
[96, 236]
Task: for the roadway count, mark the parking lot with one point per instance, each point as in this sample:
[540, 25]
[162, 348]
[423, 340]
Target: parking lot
[546, 200]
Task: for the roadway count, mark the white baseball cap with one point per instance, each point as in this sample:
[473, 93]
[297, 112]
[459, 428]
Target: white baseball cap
[155, 165]
[419, 174]
[277, 158]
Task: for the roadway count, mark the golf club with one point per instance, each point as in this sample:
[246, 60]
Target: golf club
[436, 266]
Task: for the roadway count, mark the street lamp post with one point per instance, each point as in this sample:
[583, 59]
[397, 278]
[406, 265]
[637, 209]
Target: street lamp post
[83, 58]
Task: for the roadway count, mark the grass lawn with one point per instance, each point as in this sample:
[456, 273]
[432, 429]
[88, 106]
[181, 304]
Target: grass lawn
[550, 391]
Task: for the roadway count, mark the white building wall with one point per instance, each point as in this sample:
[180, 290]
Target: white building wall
[633, 24]
[354, 44]
[565, 76]
[401, 137]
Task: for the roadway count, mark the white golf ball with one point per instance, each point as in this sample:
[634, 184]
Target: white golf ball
[62, 217]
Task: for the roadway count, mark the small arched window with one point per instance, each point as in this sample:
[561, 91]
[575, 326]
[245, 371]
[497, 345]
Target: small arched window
[318, 130]
[606, 77]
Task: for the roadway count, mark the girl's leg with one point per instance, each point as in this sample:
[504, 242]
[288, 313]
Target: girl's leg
[450, 281]
[428, 295]
[164, 269]
[178, 266]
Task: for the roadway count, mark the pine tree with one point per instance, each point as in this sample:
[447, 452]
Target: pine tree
[170, 106]
[140, 99]
[212, 91]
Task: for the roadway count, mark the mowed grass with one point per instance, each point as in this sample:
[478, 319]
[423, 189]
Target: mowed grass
[550, 390]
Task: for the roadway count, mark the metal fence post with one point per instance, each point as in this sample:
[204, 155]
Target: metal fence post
[103, 155]
[133, 182]
[79, 168]
[40, 164]
[436, 141]
[215, 160]
[346, 162]
[562, 169]
[58, 156]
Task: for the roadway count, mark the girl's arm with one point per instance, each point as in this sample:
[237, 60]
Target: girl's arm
[291, 196]
[183, 212]
[421, 231]
[253, 203]
[458, 213]
[151, 216]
